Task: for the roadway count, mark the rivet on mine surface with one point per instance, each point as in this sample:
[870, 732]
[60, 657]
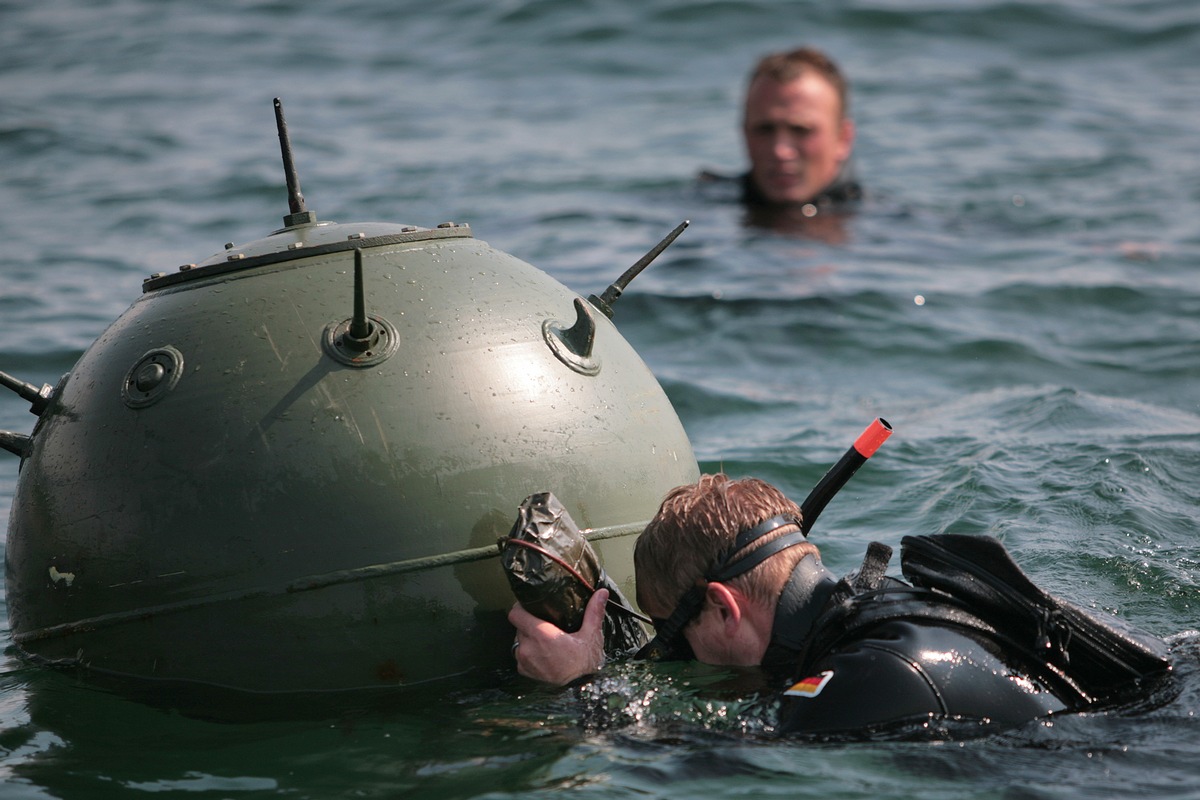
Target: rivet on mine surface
[408, 229]
[447, 224]
[229, 245]
[295, 245]
[185, 267]
[356, 236]
[236, 257]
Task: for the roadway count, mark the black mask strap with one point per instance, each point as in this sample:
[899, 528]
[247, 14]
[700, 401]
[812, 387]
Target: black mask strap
[668, 641]
[743, 565]
[762, 529]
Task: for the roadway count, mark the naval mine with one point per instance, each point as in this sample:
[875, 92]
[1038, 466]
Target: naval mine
[285, 468]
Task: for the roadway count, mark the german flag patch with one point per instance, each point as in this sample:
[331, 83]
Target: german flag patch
[810, 687]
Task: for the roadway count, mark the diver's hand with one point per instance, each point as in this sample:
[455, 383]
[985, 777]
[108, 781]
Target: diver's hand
[545, 652]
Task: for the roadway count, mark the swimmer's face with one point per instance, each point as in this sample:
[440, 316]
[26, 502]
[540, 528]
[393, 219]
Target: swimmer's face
[720, 631]
[796, 136]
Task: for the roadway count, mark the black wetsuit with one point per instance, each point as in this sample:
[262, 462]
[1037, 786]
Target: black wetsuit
[844, 190]
[839, 195]
[868, 655]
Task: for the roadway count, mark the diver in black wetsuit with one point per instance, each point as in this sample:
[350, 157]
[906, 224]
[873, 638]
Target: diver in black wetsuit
[900, 671]
[797, 129]
[799, 137]
[729, 578]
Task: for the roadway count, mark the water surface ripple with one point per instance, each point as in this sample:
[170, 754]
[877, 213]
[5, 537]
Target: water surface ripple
[1018, 296]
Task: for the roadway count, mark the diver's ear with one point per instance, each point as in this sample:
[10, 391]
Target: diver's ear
[728, 602]
[845, 139]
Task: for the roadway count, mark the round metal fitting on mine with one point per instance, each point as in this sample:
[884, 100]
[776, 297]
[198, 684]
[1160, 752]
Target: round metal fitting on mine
[154, 374]
[345, 349]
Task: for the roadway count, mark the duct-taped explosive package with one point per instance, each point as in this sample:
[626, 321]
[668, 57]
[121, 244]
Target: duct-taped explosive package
[553, 571]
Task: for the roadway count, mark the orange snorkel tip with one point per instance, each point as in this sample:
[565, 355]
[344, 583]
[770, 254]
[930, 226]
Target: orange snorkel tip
[864, 447]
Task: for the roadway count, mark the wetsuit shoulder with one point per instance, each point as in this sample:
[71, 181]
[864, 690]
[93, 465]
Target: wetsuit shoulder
[905, 674]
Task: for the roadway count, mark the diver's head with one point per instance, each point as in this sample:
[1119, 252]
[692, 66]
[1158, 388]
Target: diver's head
[742, 534]
[796, 125]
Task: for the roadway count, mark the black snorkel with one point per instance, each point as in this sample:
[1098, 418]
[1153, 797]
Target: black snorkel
[863, 448]
[668, 641]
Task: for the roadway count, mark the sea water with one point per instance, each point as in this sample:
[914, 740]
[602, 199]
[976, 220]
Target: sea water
[1018, 296]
